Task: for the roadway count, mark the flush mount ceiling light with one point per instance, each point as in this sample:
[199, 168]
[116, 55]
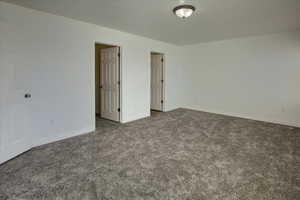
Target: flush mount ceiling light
[184, 11]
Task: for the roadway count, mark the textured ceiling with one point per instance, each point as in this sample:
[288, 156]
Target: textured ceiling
[213, 20]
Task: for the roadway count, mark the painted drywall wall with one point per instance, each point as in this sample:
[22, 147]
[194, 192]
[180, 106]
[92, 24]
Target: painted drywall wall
[255, 77]
[53, 59]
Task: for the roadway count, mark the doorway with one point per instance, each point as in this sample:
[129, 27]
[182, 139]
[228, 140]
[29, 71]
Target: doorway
[107, 82]
[157, 82]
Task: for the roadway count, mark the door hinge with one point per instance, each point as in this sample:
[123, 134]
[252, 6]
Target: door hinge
[162, 60]
[119, 109]
[119, 54]
[161, 101]
[119, 82]
[162, 81]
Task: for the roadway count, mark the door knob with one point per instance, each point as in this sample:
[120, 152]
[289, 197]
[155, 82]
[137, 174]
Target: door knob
[27, 95]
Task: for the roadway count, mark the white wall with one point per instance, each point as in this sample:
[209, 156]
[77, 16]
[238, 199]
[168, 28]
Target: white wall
[52, 58]
[255, 77]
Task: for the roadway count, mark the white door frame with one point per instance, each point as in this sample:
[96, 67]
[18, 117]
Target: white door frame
[120, 79]
[164, 79]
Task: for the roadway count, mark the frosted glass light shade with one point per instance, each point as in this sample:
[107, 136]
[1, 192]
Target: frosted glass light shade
[184, 11]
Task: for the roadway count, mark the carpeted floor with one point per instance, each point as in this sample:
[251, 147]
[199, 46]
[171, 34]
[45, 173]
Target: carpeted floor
[179, 155]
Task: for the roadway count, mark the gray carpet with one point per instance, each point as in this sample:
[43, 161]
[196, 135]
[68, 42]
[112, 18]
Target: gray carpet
[179, 155]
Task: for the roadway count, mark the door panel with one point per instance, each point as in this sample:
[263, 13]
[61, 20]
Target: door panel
[17, 140]
[110, 90]
[97, 79]
[156, 81]
[16, 126]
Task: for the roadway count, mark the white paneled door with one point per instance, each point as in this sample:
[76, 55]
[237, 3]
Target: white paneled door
[157, 82]
[110, 84]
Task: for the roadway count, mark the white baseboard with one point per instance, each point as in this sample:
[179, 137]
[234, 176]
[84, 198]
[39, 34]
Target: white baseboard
[263, 119]
[137, 117]
[62, 136]
[7, 155]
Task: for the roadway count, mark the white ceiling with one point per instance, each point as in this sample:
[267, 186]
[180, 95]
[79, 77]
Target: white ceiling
[213, 20]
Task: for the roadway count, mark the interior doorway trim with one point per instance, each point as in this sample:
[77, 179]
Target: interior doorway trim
[163, 80]
[119, 79]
